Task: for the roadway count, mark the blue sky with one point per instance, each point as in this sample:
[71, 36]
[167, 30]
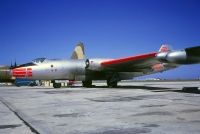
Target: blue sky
[108, 28]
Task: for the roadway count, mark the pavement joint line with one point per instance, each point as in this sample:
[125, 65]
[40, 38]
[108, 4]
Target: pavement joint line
[3, 101]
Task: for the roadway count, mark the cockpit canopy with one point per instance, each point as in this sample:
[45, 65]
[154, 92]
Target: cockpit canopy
[39, 60]
[35, 62]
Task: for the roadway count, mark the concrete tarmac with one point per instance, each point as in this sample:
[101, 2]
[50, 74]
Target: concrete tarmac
[132, 108]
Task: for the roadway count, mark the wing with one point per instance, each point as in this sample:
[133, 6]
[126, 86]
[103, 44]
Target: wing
[138, 63]
[144, 64]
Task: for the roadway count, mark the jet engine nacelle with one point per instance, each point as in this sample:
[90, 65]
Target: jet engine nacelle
[93, 64]
[187, 56]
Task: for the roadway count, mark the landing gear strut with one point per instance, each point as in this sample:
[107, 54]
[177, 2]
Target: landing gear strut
[87, 83]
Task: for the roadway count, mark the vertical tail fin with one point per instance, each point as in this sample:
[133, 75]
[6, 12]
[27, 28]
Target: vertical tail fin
[164, 48]
[78, 52]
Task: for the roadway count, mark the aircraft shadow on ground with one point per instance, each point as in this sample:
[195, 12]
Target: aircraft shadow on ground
[155, 89]
[149, 88]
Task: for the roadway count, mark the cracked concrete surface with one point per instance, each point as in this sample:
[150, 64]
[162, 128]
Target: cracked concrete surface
[132, 108]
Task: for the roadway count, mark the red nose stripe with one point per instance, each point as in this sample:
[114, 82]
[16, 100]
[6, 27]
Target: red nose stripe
[22, 72]
[19, 69]
[16, 73]
[19, 76]
[29, 74]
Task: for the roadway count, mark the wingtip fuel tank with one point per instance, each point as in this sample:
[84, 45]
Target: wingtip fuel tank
[187, 56]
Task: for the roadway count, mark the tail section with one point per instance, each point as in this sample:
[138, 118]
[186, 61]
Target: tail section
[164, 48]
[79, 52]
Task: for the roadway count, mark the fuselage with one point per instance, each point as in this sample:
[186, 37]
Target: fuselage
[112, 70]
[44, 69]
[51, 70]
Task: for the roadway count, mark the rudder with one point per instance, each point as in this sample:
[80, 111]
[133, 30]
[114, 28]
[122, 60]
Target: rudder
[78, 52]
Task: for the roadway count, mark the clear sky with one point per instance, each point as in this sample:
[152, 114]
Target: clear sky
[109, 28]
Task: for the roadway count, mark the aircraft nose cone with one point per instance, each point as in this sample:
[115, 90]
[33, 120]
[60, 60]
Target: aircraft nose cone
[5, 74]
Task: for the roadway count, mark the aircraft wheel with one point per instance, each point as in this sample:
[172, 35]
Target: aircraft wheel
[112, 80]
[111, 83]
[56, 85]
[87, 83]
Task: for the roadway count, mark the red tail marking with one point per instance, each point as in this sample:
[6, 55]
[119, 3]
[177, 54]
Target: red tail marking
[164, 48]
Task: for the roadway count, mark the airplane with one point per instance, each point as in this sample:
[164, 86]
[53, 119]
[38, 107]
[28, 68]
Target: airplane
[78, 68]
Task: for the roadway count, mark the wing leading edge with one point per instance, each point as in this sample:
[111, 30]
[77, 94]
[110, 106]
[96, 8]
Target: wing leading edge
[132, 64]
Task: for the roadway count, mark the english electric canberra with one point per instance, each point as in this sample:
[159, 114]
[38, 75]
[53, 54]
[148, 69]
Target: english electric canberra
[78, 68]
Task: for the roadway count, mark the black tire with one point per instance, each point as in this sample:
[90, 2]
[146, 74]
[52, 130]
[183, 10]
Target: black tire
[111, 83]
[87, 83]
[57, 85]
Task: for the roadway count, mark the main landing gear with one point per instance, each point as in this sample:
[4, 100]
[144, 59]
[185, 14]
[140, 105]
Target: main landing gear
[111, 83]
[113, 80]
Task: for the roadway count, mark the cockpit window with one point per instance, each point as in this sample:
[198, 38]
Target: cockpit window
[27, 64]
[39, 60]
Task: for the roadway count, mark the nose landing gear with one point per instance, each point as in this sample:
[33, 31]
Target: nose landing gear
[56, 85]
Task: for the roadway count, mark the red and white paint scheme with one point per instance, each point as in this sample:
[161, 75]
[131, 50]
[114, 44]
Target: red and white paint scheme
[113, 70]
[22, 72]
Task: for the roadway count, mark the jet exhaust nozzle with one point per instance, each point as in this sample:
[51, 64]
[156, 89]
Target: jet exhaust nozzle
[187, 56]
